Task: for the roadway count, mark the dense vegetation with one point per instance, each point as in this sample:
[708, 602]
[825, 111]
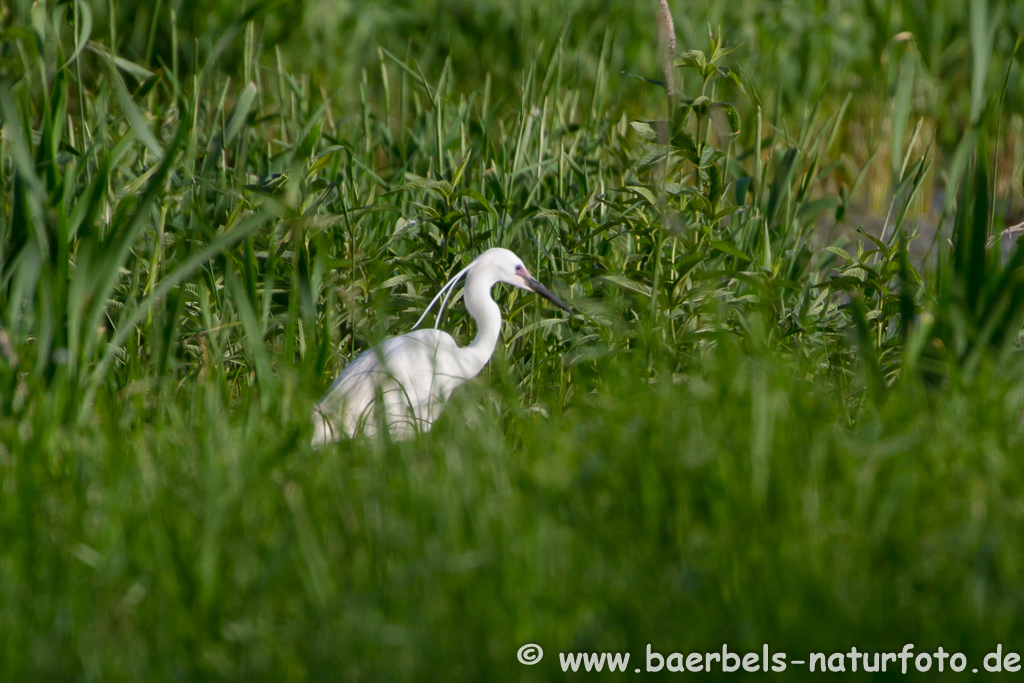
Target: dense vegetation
[762, 426]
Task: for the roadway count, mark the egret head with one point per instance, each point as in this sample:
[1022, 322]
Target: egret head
[489, 268]
[504, 266]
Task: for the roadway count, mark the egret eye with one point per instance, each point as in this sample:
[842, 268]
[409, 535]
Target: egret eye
[519, 267]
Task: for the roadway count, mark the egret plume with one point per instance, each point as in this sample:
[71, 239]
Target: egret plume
[449, 288]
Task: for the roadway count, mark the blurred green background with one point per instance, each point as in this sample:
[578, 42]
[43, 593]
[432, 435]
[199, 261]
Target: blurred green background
[800, 51]
[763, 425]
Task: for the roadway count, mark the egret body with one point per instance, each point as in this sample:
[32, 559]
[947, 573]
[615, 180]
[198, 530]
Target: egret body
[409, 378]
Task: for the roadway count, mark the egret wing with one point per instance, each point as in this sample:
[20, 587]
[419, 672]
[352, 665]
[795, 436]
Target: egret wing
[409, 377]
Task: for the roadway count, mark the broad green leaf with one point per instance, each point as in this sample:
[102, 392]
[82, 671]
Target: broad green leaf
[839, 252]
[645, 130]
[240, 113]
[626, 283]
[728, 248]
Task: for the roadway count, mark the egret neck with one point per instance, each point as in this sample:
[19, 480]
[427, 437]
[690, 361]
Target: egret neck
[487, 315]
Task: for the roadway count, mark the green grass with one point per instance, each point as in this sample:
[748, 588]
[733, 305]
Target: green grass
[748, 434]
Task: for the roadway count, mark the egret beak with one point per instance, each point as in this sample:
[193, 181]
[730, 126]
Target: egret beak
[545, 292]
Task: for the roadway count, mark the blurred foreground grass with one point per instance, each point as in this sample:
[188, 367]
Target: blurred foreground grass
[736, 507]
[742, 438]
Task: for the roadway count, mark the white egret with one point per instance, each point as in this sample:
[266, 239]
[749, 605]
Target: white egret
[410, 377]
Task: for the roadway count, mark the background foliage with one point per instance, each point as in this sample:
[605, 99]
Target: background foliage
[762, 425]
